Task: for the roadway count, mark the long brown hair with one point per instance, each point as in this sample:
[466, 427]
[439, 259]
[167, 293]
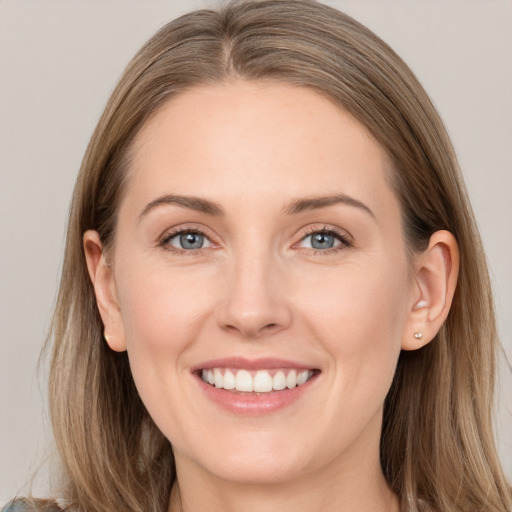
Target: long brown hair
[437, 447]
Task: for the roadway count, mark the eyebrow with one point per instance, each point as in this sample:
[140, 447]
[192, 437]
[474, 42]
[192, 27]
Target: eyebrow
[193, 203]
[297, 206]
[312, 203]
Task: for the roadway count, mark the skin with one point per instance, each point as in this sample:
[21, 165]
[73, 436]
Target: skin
[258, 289]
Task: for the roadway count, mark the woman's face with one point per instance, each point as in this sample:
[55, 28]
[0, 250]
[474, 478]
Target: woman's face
[259, 246]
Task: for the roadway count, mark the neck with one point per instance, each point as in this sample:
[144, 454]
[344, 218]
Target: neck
[358, 487]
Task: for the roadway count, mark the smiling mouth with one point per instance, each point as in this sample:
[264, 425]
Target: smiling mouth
[256, 381]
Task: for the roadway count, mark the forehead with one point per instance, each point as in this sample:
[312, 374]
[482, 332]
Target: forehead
[256, 140]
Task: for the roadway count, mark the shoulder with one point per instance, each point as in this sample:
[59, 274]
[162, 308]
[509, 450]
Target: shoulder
[28, 505]
[16, 506]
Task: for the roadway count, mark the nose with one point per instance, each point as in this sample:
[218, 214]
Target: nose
[255, 303]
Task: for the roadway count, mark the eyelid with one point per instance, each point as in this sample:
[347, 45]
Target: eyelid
[346, 240]
[178, 235]
[344, 237]
[170, 233]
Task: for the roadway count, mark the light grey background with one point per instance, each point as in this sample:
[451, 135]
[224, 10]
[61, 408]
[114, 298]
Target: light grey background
[59, 60]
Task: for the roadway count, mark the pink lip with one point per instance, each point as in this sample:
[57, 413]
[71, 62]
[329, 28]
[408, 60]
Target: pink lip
[252, 404]
[265, 363]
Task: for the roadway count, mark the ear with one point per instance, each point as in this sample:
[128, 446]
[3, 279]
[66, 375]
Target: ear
[102, 277]
[435, 272]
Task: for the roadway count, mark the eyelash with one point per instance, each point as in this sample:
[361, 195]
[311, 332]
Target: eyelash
[345, 240]
[164, 242]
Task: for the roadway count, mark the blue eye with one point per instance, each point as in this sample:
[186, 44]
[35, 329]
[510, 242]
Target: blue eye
[188, 240]
[323, 240]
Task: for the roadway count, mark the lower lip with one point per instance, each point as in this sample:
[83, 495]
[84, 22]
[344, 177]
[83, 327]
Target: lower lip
[254, 404]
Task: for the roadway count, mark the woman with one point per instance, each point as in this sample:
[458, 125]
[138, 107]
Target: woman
[274, 294]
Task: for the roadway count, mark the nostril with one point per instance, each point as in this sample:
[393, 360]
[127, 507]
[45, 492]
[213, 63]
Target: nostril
[254, 318]
[251, 331]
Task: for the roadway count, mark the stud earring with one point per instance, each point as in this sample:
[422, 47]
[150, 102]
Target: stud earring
[418, 335]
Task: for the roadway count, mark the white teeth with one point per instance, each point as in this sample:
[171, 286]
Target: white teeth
[229, 380]
[291, 379]
[302, 377]
[219, 380]
[262, 382]
[279, 381]
[243, 381]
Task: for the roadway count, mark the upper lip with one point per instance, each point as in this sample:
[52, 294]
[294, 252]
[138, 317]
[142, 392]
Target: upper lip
[265, 363]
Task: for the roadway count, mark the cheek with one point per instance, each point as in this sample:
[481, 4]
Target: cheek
[163, 314]
[360, 318]
[355, 300]
[360, 323]
[160, 315]
[160, 308]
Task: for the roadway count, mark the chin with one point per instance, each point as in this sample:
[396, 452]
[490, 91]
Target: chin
[256, 472]
[252, 462]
